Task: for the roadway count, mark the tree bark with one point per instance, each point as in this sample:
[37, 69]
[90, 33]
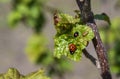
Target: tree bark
[87, 17]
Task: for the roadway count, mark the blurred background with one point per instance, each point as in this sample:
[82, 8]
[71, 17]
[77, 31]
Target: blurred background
[27, 38]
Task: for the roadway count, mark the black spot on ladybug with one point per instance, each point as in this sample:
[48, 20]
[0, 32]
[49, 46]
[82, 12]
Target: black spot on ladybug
[85, 33]
[76, 34]
[71, 52]
[72, 48]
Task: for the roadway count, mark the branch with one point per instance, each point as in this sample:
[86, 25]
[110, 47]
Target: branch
[101, 53]
[88, 18]
[91, 58]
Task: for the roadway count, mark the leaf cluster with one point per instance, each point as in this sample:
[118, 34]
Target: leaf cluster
[66, 28]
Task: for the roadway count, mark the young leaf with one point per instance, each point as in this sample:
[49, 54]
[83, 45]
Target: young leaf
[103, 16]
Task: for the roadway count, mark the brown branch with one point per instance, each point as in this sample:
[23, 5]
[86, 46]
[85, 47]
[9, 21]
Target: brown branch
[101, 52]
[90, 57]
[88, 18]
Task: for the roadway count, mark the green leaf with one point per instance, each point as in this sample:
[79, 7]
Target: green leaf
[35, 11]
[23, 9]
[36, 46]
[37, 75]
[104, 17]
[13, 73]
[66, 22]
[13, 18]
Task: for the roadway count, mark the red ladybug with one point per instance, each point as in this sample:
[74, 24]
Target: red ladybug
[56, 18]
[72, 48]
[76, 34]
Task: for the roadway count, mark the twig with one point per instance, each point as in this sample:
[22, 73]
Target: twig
[91, 58]
[88, 18]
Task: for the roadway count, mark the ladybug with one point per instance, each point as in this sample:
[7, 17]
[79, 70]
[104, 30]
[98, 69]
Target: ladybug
[56, 18]
[76, 34]
[72, 48]
[85, 33]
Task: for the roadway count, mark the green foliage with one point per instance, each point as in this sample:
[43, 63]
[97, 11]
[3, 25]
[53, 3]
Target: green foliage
[30, 12]
[59, 67]
[38, 53]
[13, 73]
[103, 16]
[36, 47]
[14, 18]
[66, 27]
[111, 37]
[37, 75]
